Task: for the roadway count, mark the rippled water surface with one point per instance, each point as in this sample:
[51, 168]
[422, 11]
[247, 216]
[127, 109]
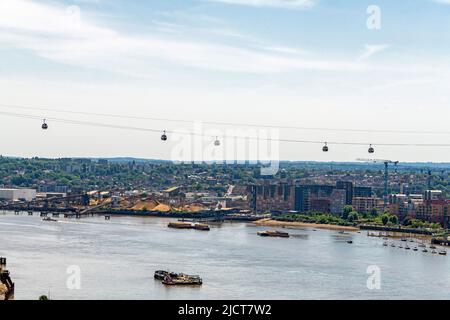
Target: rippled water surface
[117, 259]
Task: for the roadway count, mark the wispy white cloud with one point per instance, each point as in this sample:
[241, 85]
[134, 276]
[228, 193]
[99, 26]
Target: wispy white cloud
[372, 49]
[442, 1]
[292, 4]
[57, 34]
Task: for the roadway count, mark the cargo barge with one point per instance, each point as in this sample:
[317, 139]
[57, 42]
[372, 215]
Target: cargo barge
[177, 279]
[6, 284]
[277, 234]
[188, 225]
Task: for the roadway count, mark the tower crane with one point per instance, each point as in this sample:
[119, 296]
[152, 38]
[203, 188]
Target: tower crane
[386, 174]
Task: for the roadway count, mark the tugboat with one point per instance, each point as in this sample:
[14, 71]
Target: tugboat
[182, 280]
[48, 219]
[278, 234]
[161, 274]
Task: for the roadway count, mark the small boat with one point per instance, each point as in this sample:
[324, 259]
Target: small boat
[432, 247]
[442, 252]
[393, 245]
[161, 274]
[273, 234]
[201, 226]
[349, 241]
[182, 280]
[407, 248]
[434, 251]
[48, 219]
[421, 245]
[425, 250]
[400, 247]
[403, 239]
[385, 244]
[415, 249]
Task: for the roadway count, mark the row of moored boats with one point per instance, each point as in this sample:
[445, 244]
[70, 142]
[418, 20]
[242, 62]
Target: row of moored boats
[423, 247]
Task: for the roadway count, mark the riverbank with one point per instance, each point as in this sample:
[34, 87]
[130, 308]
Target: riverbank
[274, 223]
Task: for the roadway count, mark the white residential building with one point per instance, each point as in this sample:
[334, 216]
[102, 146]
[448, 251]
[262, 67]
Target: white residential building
[17, 194]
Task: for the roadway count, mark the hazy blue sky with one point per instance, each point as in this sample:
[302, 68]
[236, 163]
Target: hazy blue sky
[311, 63]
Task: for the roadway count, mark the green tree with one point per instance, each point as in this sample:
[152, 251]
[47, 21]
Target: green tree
[393, 219]
[347, 211]
[385, 219]
[353, 216]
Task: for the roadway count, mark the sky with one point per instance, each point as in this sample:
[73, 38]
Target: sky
[328, 64]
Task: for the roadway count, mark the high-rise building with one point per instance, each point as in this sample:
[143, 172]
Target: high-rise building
[348, 187]
[362, 192]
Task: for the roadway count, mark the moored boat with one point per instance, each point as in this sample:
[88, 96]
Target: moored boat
[48, 219]
[180, 225]
[183, 280]
[161, 274]
[273, 234]
[201, 226]
[443, 252]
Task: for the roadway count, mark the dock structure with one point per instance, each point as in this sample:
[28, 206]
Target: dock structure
[6, 284]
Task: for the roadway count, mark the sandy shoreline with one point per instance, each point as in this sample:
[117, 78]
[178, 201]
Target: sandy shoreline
[273, 223]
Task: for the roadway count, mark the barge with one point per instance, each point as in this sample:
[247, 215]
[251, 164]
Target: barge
[188, 225]
[6, 284]
[277, 234]
[177, 279]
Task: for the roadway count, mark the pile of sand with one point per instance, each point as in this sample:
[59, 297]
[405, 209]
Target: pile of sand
[194, 207]
[162, 208]
[147, 204]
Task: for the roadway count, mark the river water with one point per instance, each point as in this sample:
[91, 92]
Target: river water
[117, 259]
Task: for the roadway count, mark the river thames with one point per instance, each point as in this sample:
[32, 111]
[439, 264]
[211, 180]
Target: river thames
[117, 259]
